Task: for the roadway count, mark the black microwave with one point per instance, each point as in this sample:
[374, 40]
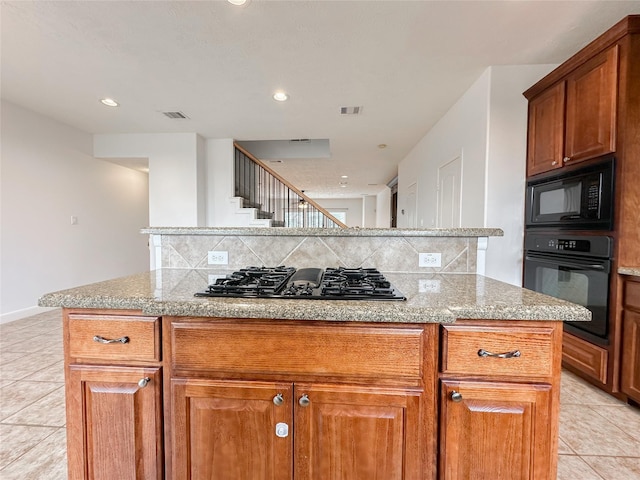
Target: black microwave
[580, 199]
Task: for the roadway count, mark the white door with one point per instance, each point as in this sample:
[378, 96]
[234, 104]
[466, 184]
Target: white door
[450, 193]
[410, 207]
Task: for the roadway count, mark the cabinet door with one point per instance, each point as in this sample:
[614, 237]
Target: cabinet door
[592, 91]
[496, 430]
[631, 354]
[114, 423]
[358, 433]
[546, 130]
[226, 430]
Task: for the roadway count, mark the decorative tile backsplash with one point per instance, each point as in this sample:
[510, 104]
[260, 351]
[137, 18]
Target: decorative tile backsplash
[386, 253]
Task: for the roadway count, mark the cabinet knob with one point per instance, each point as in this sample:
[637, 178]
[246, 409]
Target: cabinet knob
[566, 159]
[456, 396]
[278, 399]
[304, 401]
[554, 163]
[143, 382]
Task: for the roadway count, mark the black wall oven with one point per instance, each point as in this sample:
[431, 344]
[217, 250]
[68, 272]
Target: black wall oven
[575, 268]
[579, 199]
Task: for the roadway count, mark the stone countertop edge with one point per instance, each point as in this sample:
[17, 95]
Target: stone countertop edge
[133, 293]
[633, 271]
[326, 232]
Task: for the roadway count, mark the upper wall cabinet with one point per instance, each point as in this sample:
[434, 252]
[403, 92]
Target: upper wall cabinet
[574, 119]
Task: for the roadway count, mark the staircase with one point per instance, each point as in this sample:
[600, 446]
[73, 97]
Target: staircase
[272, 201]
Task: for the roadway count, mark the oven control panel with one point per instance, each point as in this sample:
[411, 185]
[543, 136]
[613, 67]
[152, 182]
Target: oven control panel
[590, 245]
[570, 245]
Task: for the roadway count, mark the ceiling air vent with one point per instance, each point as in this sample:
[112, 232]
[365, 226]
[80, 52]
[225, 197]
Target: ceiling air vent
[299, 140]
[174, 115]
[350, 110]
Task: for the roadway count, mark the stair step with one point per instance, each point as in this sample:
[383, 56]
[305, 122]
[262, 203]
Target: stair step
[247, 204]
[263, 214]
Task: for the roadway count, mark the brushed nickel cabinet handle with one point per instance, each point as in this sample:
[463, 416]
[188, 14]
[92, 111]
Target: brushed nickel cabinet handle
[143, 382]
[554, 163]
[456, 396]
[278, 400]
[304, 401]
[566, 159]
[514, 354]
[99, 339]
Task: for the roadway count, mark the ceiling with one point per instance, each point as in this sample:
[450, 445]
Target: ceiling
[404, 63]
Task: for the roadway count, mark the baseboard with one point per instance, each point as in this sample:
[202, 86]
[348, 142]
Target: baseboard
[25, 312]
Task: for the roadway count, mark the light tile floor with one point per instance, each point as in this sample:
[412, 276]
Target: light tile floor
[599, 435]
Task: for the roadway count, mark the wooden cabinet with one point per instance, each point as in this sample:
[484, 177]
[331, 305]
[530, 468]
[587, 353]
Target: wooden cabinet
[575, 119]
[251, 399]
[227, 430]
[114, 422]
[630, 371]
[545, 142]
[592, 92]
[495, 430]
[499, 400]
[231, 430]
[256, 400]
[589, 106]
[113, 396]
[357, 433]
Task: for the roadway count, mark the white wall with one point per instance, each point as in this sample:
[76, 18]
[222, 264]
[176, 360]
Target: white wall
[487, 127]
[352, 206]
[506, 168]
[383, 208]
[369, 211]
[220, 183]
[48, 174]
[176, 173]
[462, 131]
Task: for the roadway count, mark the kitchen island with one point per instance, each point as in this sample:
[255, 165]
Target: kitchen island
[460, 381]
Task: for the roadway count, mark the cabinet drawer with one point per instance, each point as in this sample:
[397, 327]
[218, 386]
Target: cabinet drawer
[462, 346]
[140, 337]
[632, 294]
[265, 348]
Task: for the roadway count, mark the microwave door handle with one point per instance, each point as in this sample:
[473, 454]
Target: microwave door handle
[561, 263]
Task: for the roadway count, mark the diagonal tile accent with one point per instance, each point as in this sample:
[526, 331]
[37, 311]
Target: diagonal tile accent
[272, 253]
[312, 252]
[354, 252]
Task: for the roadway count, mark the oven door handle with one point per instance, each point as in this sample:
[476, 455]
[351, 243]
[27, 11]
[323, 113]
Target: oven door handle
[554, 260]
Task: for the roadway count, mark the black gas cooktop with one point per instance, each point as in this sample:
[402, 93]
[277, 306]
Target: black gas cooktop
[304, 283]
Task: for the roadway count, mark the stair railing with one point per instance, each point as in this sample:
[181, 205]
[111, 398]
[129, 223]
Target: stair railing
[274, 197]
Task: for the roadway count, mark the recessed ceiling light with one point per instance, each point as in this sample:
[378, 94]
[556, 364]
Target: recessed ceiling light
[280, 96]
[344, 176]
[382, 146]
[109, 102]
[238, 3]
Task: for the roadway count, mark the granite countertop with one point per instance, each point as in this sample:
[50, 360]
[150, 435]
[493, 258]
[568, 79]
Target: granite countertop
[634, 271]
[430, 298]
[327, 232]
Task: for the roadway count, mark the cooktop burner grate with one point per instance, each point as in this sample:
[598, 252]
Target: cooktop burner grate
[306, 283]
